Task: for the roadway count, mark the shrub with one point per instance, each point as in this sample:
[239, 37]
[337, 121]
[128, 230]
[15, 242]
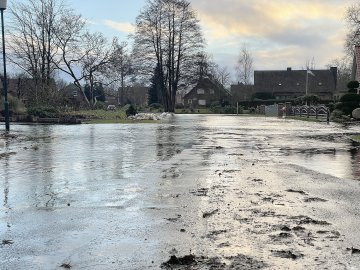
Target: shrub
[229, 110]
[338, 115]
[179, 106]
[350, 98]
[155, 106]
[16, 106]
[131, 110]
[216, 109]
[43, 112]
[353, 86]
[100, 105]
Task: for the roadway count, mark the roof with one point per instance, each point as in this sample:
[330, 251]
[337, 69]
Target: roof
[280, 81]
[207, 83]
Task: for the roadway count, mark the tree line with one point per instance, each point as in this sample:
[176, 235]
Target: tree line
[47, 37]
[167, 52]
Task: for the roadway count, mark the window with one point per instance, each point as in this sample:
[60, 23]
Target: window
[202, 102]
[75, 93]
[320, 83]
[280, 84]
[298, 84]
[190, 101]
[212, 91]
[200, 91]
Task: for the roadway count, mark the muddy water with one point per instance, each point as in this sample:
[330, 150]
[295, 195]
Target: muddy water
[223, 187]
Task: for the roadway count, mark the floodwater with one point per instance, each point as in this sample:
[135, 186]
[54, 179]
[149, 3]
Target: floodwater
[129, 196]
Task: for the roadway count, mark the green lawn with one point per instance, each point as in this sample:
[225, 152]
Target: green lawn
[356, 138]
[99, 114]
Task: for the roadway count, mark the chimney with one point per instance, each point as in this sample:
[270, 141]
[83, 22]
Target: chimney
[289, 69]
[334, 73]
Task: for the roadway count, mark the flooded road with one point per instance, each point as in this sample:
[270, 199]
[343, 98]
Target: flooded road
[233, 191]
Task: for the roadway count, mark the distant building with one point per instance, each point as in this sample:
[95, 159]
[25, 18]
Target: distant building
[73, 96]
[205, 93]
[134, 95]
[290, 84]
[241, 92]
[24, 88]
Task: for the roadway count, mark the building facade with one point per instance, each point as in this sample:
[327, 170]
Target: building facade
[205, 93]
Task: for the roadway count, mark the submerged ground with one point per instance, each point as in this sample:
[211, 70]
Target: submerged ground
[193, 192]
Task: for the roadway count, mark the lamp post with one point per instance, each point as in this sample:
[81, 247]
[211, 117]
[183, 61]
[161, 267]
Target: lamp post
[6, 104]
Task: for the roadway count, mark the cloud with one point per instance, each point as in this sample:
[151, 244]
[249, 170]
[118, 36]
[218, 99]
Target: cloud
[280, 33]
[123, 27]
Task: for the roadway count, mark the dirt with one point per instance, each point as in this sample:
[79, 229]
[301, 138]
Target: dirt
[191, 262]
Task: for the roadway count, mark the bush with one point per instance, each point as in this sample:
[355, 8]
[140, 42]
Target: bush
[353, 86]
[44, 112]
[350, 98]
[179, 106]
[156, 106]
[100, 105]
[131, 110]
[229, 110]
[348, 103]
[216, 109]
[16, 106]
[338, 115]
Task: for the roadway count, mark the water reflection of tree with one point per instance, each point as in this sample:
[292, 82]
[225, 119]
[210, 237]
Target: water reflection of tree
[355, 156]
[166, 144]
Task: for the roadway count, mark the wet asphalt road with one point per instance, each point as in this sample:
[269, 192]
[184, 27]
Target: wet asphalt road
[130, 196]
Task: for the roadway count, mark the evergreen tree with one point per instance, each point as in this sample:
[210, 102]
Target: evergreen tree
[98, 92]
[155, 87]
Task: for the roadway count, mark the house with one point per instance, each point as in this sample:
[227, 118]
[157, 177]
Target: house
[241, 92]
[72, 95]
[25, 88]
[134, 95]
[290, 84]
[205, 93]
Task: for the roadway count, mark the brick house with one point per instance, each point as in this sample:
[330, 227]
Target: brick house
[205, 93]
[290, 84]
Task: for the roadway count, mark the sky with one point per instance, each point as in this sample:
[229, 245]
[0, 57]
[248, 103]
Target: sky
[278, 33]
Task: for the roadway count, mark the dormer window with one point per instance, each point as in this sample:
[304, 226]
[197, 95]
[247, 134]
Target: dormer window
[200, 91]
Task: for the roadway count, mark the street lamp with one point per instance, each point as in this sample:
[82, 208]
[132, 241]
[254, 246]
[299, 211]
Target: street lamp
[6, 104]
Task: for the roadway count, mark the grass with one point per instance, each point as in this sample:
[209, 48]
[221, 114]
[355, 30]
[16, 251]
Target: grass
[195, 111]
[356, 138]
[99, 114]
[104, 117]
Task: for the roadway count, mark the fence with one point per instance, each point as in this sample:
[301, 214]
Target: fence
[280, 110]
[311, 111]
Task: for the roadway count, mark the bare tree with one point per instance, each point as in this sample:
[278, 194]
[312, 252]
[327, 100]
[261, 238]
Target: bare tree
[118, 73]
[32, 47]
[244, 66]
[222, 75]
[82, 55]
[168, 35]
[309, 64]
[353, 21]
[344, 71]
